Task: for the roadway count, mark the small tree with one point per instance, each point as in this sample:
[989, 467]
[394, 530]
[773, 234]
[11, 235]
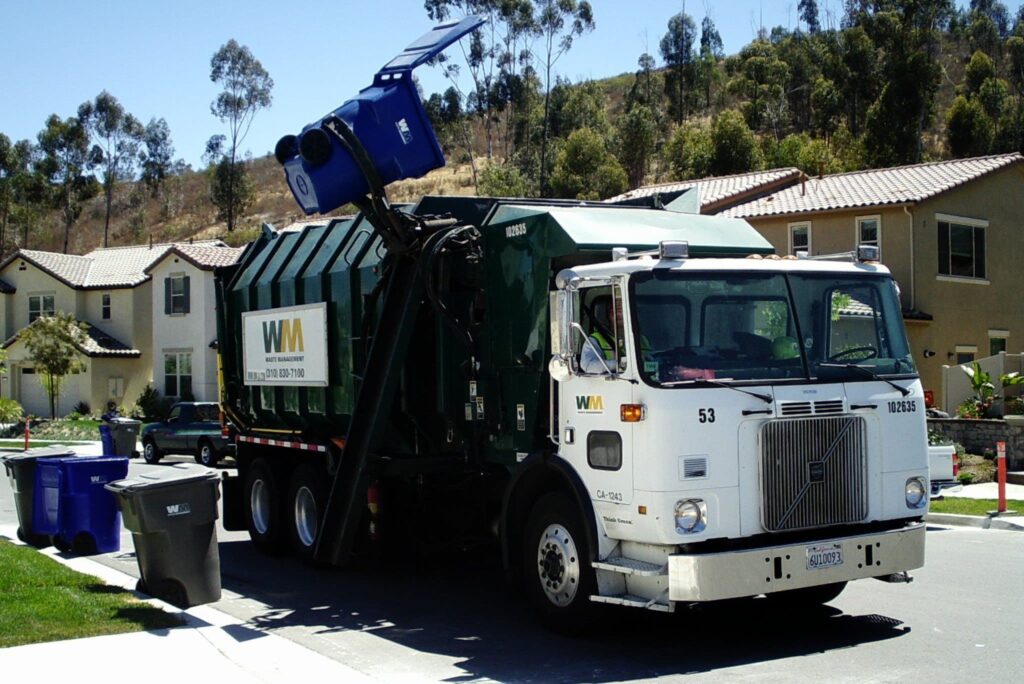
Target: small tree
[52, 343]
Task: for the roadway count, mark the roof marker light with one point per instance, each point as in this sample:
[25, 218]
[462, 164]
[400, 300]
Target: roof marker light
[674, 249]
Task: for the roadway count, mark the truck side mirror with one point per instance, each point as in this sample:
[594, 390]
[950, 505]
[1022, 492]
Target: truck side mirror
[560, 307]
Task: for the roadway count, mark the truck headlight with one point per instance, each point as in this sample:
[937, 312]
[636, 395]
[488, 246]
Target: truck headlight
[916, 493]
[691, 516]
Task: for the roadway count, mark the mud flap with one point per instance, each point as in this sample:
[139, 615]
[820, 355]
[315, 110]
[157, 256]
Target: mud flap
[232, 499]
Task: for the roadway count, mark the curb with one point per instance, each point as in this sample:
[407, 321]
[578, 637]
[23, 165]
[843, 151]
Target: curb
[1010, 524]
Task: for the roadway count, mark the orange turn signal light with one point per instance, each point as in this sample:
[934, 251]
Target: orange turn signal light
[631, 413]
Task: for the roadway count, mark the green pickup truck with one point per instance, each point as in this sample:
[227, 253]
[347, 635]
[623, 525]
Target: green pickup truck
[190, 428]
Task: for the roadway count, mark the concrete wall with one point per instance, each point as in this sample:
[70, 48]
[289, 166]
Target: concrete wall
[980, 437]
[190, 332]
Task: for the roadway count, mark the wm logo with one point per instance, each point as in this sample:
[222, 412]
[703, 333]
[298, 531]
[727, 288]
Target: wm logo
[283, 336]
[590, 403]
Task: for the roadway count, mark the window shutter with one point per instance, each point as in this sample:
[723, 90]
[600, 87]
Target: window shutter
[167, 295]
[186, 306]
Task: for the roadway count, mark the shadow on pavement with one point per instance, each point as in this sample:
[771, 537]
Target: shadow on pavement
[458, 606]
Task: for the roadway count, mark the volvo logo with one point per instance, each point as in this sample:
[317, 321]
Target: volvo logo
[816, 472]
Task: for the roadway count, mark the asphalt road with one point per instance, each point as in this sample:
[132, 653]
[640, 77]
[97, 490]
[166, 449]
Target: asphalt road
[450, 618]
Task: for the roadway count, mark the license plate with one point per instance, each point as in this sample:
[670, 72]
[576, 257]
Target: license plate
[824, 556]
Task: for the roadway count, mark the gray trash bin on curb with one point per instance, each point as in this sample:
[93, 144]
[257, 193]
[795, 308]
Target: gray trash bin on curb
[125, 432]
[21, 471]
[172, 515]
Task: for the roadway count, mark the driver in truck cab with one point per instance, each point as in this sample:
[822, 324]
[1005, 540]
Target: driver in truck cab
[603, 337]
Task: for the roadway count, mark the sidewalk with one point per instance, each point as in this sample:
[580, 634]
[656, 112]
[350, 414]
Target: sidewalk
[210, 646]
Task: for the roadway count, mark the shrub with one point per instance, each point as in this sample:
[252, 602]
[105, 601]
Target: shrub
[10, 411]
[82, 408]
[970, 408]
[965, 478]
[150, 405]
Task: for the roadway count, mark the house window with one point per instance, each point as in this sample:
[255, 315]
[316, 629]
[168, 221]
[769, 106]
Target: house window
[178, 374]
[869, 231]
[799, 238]
[961, 247]
[965, 353]
[176, 294]
[997, 341]
[105, 307]
[115, 388]
[40, 305]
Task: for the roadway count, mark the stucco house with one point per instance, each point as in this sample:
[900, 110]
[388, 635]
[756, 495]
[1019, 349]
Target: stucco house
[949, 231]
[111, 291]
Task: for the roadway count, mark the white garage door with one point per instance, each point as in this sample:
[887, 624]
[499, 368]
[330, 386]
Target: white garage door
[33, 397]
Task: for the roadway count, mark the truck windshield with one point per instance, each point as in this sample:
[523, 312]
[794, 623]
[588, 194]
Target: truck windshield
[756, 327]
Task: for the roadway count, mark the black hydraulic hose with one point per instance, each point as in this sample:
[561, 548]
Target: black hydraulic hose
[461, 331]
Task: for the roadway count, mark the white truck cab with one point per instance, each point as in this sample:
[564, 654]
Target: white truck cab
[755, 426]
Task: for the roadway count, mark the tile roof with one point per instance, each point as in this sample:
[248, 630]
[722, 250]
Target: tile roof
[93, 343]
[107, 267]
[718, 189]
[203, 256]
[876, 187]
[98, 343]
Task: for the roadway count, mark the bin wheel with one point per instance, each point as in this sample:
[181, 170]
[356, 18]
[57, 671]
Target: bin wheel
[37, 540]
[556, 562]
[263, 513]
[171, 591]
[141, 587]
[83, 544]
[149, 452]
[59, 543]
[307, 500]
[206, 455]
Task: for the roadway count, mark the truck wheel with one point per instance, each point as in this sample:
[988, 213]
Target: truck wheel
[263, 507]
[556, 562]
[307, 499]
[807, 598]
[206, 455]
[150, 453]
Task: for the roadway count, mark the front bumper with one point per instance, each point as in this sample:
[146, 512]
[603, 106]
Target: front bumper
[734, 574]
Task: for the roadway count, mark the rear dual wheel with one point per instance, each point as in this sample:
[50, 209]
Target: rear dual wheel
[277, 523]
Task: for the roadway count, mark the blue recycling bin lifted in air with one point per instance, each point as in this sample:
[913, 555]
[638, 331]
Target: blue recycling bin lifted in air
[71, 504]
[389, 121]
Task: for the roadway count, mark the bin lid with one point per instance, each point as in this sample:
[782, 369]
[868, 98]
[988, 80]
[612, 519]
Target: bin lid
[166, 476]
[39, 452]
[430, 44]
[124, 421]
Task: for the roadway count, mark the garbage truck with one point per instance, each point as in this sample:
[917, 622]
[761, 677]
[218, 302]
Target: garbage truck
[637, 405]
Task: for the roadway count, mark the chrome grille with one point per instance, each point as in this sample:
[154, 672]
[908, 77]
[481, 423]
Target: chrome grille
[813, 472]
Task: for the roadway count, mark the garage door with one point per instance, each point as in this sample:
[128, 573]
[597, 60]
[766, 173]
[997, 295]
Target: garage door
[33, 397]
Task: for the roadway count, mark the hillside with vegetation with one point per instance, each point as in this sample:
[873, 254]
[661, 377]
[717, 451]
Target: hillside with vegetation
[889, 82]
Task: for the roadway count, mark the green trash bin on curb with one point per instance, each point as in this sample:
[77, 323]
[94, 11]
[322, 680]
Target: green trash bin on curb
[125, 434]
[172, 515]
[21, 471]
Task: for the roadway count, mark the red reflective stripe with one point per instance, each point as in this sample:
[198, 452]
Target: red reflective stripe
[291, 445]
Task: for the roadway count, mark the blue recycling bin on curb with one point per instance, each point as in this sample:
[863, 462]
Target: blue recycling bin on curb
[389, 121]
[107, 440]
[71, 504]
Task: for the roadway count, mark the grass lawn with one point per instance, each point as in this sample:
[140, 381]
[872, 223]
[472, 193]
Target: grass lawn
[19, 444]
[41, 600]
[963, 506]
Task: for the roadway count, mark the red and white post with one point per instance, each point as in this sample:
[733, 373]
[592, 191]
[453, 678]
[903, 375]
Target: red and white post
[1001, 466]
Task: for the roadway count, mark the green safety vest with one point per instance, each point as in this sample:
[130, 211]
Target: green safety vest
[606, 346]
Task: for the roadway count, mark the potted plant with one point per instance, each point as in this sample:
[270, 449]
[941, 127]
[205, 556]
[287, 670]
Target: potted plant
[981, 405]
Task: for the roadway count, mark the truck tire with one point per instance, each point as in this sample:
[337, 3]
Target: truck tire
[556, 562]
[206, 455]
[263, 507]
[150, 453]
[807, 598]
[306, 502]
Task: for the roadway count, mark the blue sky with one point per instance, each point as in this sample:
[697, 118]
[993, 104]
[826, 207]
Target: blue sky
[155, 57]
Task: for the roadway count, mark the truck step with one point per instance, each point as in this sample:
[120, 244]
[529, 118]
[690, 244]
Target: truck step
[630, 566]
[633, 602]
